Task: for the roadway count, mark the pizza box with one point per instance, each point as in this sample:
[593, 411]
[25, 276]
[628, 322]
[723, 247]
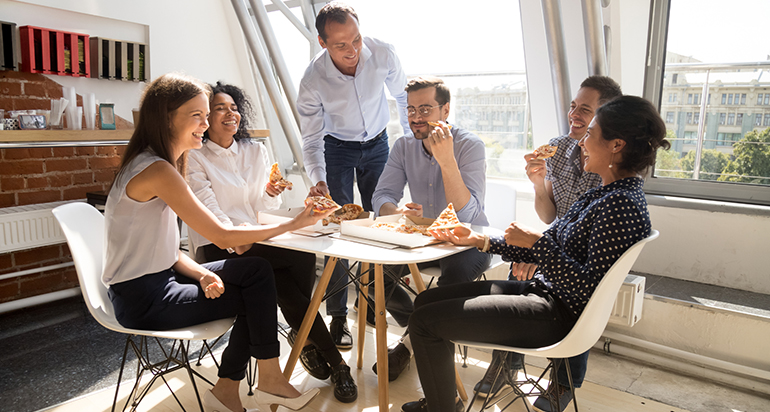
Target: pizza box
[361, 228]
[284, 215]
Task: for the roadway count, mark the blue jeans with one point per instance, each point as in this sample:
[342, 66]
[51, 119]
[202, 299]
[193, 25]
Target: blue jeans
[347, 162]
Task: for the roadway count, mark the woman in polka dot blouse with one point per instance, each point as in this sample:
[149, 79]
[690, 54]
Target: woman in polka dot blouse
[572, 256]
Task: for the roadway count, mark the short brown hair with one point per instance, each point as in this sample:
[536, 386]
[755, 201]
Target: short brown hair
[335, 11]
[608, 89]
[419, 83]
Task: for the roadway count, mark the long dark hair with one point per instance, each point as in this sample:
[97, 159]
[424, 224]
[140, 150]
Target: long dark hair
[153, 130]
[245, 108]
[637, 122]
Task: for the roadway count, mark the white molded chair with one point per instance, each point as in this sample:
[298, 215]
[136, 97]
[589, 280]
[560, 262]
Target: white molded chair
[83, 226]
[586, 332]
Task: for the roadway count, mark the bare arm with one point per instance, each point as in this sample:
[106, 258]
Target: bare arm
[161, 180]
[545, 205]
[212, 285]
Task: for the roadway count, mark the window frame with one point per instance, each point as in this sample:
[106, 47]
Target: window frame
[653, 91]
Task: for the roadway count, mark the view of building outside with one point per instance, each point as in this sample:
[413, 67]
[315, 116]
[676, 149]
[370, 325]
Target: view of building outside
[715, 97]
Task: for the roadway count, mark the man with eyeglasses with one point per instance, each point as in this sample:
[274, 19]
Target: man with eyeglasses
[441, 165]
[343, 117]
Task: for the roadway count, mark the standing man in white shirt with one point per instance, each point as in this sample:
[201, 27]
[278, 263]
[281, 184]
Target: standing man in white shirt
[343, 116]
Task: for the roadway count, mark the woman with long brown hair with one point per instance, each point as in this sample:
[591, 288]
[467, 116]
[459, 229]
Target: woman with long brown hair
[153, 286]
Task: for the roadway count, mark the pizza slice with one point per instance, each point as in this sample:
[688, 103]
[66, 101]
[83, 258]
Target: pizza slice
[544, 152]
[434, 124]
[321, 204]
[349, 211]
[446, 220]
[276, 178]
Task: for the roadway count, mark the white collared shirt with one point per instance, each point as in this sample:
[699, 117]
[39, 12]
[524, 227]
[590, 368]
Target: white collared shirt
[230, 182]
[350, 108]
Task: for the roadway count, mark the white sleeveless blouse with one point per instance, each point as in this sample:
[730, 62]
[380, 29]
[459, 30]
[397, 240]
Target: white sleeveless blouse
[142, 237]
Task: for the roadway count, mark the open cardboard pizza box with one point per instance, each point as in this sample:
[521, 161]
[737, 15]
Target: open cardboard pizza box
[361, 228]
[284, 215]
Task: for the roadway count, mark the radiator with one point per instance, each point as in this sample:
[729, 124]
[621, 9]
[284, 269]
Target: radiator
[27, 227]
[628, 304]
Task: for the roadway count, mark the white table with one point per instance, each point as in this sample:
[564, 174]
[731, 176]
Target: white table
[339, 248]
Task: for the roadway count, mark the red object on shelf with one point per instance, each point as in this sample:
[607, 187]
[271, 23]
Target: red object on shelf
[44, 51]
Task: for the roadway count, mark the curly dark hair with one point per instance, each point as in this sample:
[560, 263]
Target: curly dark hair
[637, 122]
[245, 108]
[335, 11]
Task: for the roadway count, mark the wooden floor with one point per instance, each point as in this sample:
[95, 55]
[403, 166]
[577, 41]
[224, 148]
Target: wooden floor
[591, 397]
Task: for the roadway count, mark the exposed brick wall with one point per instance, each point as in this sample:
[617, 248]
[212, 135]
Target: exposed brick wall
[49, 174]
[38, 283]
[46, 174]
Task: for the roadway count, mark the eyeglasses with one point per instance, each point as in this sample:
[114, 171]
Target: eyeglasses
[424, 110]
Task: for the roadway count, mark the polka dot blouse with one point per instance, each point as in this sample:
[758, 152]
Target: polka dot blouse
[574, 254]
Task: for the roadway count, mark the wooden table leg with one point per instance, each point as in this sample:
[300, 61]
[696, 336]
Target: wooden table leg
[363, 306]
[307, 322]
[417, 277]
[382, 343]
[415, 271]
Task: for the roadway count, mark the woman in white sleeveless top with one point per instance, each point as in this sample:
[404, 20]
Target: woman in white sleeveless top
[153, 286]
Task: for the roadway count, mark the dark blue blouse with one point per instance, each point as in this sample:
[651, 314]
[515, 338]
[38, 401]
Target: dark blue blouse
[574, 254]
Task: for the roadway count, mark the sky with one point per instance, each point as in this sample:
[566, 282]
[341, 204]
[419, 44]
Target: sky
[720, 31]
[452, 36]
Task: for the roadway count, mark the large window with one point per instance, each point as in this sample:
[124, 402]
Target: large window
[727, 158]
[481, 60]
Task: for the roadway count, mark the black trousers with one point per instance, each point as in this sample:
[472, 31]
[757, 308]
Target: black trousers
[500, 312]
[294, 280]
[167, 300]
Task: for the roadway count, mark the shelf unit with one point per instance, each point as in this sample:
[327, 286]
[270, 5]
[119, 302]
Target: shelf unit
[43, 138]
[54, 52]
[119, 59]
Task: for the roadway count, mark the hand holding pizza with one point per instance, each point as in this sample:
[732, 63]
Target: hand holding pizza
[442, 143]
[535, 169]
[310, 216]
[276, 183]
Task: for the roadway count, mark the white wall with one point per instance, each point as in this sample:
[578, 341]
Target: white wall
[199, 37]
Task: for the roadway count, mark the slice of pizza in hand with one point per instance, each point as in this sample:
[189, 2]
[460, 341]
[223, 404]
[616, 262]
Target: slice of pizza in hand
[348, 211]
[321, 204]
[544, 152]
[276, 178]
[446, 220]
[434, 124]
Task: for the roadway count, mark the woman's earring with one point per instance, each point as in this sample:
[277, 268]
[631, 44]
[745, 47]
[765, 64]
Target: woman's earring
[612, 159]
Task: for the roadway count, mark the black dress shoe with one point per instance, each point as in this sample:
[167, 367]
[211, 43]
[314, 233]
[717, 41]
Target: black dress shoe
[398, 360]
[340, 333]
[345, 389]
[422, 406]
[312, 359]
